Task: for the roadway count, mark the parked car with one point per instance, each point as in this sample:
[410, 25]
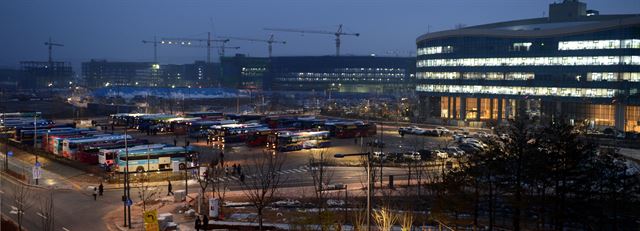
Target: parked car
[475, 142]
[430, 132]
[460, 137]
[441, 154]
[379, 156]
[288, 203]
[412, 156]
[442, 131]
[482, 134]
[425, 154]
[470, 148]
[408, 130]
[394, 157]
[454, 151]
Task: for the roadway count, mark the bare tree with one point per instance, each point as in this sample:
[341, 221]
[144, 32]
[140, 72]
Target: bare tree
[23, 196]
[46, 211]
[146, 192]
[322, 177]
[203, 180]
[219, 187]
[260, 189]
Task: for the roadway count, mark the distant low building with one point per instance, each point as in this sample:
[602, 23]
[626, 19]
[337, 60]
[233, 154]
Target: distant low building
[9, 78]
[353, 74]
[244, 72]
[103, 73]
[36, 75]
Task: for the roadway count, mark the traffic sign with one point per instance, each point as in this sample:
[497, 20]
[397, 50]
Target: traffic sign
[129, 202]
[10, 153]
[151, 220]
[36, 172]
[38, 164]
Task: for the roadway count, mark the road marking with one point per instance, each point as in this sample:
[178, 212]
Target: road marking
[40, 214]
[65, 229]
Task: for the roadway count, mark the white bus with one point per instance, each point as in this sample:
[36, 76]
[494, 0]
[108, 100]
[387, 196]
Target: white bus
[156, 159]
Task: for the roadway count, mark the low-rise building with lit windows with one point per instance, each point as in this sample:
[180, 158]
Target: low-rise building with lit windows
[347, 74]
[574, 64]
[353, 74]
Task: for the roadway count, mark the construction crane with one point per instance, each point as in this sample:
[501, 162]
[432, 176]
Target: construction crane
[189, 41]
[337, 33]
[155, 48]
[269, 41]
[51, 44]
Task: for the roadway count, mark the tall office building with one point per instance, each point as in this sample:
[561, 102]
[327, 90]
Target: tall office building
[574, 64]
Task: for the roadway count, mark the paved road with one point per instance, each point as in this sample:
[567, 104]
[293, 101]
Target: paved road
[74, 208]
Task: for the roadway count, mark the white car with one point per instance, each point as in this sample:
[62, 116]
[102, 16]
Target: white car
[378, 156]
[442, 131]
[412, 156]
[441, 154]
[475, 142]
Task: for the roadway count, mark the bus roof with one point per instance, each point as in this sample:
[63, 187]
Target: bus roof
[164, 150]
[97, 139]
[135, 148]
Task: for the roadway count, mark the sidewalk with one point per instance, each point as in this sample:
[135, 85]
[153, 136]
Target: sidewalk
[53, 174]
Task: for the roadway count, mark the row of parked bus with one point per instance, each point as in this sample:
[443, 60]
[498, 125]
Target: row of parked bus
[112, 151]
[282, 133]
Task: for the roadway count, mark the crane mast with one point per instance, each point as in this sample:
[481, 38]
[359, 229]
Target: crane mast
[269, 42]
[51, 44]
[188, 41]
[338, 33]
[155, 48]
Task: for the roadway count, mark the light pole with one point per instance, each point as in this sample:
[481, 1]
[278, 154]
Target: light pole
[368, 154]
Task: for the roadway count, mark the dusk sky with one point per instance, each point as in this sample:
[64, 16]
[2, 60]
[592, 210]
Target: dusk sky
[113, 30]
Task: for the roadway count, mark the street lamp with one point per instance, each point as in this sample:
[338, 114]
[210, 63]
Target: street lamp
[368, 154]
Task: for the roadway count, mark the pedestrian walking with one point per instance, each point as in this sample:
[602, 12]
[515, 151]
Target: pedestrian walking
[95, 193]
[226, 170]
[169, 188]
[198, 223]
[187, 143]
[100, 189]
[242, 177]
[234, 168]
[221, 158]
[239, 169]
[175, 142]
[205, 222]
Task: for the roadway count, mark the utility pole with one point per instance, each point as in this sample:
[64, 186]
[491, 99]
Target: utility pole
[126, 197]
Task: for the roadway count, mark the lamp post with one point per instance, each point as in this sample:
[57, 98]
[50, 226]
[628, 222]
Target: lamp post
[368, 154]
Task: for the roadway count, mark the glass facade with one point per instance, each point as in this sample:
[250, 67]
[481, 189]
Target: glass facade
[632, 114]
[435, 50]
[589, 73]
[518, 90]
[599, 44]
[533, 61]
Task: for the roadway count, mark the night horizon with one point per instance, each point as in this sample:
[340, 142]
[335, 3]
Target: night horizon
[114, 30]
